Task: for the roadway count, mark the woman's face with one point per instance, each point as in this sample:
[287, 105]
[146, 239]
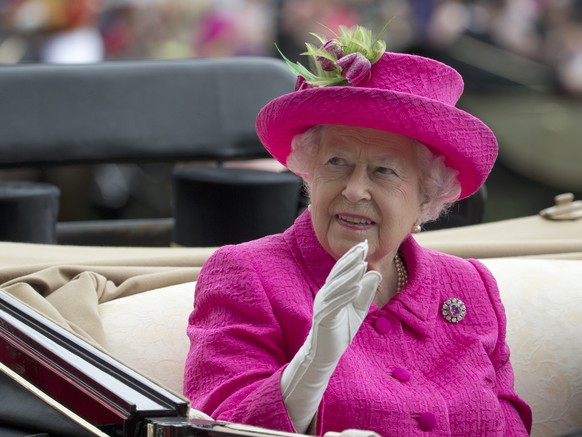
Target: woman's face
[365, 185]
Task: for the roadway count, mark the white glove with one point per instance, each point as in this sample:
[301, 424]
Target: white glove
[339, 309]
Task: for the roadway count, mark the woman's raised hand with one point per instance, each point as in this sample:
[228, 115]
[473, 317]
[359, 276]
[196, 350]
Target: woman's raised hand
[343, 301]
[339, 309]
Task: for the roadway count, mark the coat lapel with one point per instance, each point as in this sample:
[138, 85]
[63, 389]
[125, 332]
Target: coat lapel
[417, 304]
[315, 262]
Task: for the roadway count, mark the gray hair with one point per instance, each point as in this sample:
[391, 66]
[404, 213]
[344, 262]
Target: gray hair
[438, 185]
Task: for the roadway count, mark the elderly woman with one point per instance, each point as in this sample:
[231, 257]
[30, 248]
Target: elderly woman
[343, 321]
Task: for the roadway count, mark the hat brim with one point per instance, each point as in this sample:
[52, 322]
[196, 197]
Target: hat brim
[467, 144]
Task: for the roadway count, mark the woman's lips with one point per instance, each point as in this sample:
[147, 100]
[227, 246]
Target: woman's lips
[354, 221]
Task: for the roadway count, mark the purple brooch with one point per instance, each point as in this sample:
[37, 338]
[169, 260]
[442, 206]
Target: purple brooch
[454, 310]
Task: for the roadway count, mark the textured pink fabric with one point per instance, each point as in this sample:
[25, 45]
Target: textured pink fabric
[406, 94]
[252, 312]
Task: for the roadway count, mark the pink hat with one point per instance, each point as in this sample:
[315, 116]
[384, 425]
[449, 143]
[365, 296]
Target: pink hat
[404, 94]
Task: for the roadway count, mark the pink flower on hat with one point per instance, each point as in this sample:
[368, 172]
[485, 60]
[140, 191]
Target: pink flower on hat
[335, 51]
[355, 67]
[341, 61]
[301, 84]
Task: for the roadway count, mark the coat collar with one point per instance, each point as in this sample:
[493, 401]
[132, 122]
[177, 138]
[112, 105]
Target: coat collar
[416, 305]
[316, 261]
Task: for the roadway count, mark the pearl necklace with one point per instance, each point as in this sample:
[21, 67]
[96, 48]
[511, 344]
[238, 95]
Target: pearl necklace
[401, 273]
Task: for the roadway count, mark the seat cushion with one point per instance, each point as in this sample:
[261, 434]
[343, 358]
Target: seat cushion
[147, 331]
[543, 302]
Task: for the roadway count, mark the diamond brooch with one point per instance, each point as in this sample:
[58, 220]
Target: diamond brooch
[454, 310]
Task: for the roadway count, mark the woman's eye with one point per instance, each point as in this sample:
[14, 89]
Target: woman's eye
[336, 161]
[385, 170]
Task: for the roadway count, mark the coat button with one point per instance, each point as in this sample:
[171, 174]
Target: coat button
[401, 374]
[426, 421]
[382, 325]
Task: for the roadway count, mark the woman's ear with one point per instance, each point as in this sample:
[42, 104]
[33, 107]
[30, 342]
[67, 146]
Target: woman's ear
[423, 209]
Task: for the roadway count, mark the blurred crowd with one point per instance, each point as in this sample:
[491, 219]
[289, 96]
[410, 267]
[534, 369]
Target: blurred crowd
[548, 32]
[485, 39]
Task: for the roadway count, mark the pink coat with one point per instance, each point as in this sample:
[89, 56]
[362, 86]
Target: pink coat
[408, 371]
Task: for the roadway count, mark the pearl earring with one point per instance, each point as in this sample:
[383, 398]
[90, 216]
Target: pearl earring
[416, 229]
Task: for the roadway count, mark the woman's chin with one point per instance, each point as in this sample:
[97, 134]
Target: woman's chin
[339, 246]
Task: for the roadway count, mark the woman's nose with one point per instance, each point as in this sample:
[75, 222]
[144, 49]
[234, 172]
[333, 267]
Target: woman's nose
[357, 186]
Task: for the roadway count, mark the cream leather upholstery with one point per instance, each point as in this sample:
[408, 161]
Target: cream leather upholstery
[543, 300]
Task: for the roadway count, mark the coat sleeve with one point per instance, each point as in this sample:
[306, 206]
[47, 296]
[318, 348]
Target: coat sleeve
[237, 354]
[518, 415]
